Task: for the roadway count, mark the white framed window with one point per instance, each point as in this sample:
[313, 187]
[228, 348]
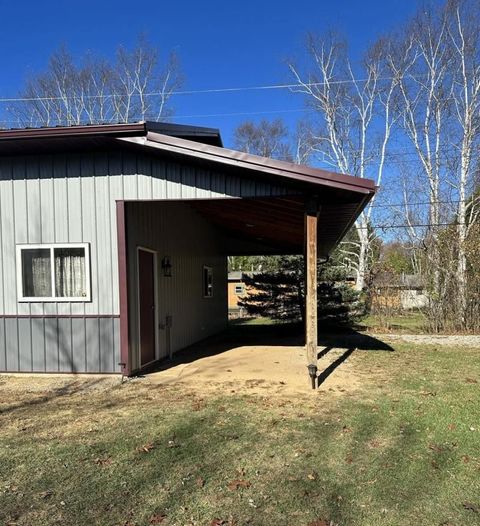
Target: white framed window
[53, 272]
[207, 282]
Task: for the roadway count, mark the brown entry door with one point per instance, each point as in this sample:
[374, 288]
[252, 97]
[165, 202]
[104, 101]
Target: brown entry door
[146, 286]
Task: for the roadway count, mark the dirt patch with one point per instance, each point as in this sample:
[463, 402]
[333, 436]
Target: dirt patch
[261, 369]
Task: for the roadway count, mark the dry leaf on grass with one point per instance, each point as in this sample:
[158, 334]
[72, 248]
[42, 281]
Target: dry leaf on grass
[45, 494]
[312, 476]
[146, 448]
[158, 518]
[237, 484]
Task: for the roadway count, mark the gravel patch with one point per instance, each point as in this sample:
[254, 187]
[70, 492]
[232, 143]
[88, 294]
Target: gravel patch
[433, 339]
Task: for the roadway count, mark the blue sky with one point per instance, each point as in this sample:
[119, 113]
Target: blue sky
[220, 44]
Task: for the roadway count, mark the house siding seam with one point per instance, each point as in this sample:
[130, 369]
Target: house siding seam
[66, 198]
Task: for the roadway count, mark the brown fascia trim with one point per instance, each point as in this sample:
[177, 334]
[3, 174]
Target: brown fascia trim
[74, 131]
[123, 288]
[253, 162]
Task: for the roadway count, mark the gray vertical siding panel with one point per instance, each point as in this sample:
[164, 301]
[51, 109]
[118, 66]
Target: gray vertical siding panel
[103, 236]
[159, 182]
[11, 343]
[89, 228]
[75, 233]
[25, 345]
[203, 183]
[130, 180]
[106, 344]
[79, 351]
[93, 345]
[60, 195]
[47, 214]
[116, 345]
[7, 222]
[116, 194]
[144, 177]
[174, 181]
[51, 344]
[218, 184]
[3, 352]
[38, 344]
[187, 176]
[65, 357]
[34, 216]
[232, 186]
[20, 217]
[34, 226]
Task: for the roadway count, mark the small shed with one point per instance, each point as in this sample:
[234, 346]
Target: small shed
[114, 239]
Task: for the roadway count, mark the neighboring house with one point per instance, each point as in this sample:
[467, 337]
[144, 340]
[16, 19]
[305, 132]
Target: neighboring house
[237, 290]
[114, 238]
[403, 292]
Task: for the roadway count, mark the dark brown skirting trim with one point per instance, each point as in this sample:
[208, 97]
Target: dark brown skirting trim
[68, 316]
[61, 372]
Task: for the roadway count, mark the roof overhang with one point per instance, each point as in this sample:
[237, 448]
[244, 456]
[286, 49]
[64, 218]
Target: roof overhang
[341, 198]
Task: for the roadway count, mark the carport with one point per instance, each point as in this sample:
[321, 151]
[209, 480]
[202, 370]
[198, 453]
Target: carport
[274, 207]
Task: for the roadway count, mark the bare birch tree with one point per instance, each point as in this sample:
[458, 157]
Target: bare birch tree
[436, 59]
[135, 86]
[354, 113]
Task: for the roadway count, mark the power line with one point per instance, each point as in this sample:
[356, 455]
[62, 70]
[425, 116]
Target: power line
[194, 92]
[404, 226]
[421, 203]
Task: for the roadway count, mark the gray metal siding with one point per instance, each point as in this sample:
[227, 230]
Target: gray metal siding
[81, 345]
[71, 198]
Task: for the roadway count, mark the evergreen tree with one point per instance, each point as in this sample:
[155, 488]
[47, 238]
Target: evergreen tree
[279, 294]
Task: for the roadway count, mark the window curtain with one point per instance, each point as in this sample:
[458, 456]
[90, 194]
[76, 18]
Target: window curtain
[37, 277]
[70, 272]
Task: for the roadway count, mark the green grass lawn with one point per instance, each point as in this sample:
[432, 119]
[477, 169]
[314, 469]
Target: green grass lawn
[411, 322]
[403, 450]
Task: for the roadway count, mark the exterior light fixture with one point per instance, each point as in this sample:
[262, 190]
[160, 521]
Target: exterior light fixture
[312, 371]
[167, 267]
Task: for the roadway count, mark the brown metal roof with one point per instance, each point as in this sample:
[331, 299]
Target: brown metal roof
[233, 158]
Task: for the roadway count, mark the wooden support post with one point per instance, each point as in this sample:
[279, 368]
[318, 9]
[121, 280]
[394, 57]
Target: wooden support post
[311, 326]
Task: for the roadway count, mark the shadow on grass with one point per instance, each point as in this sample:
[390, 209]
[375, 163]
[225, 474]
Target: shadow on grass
[70, 388]
[331, 368]
[215, 449]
